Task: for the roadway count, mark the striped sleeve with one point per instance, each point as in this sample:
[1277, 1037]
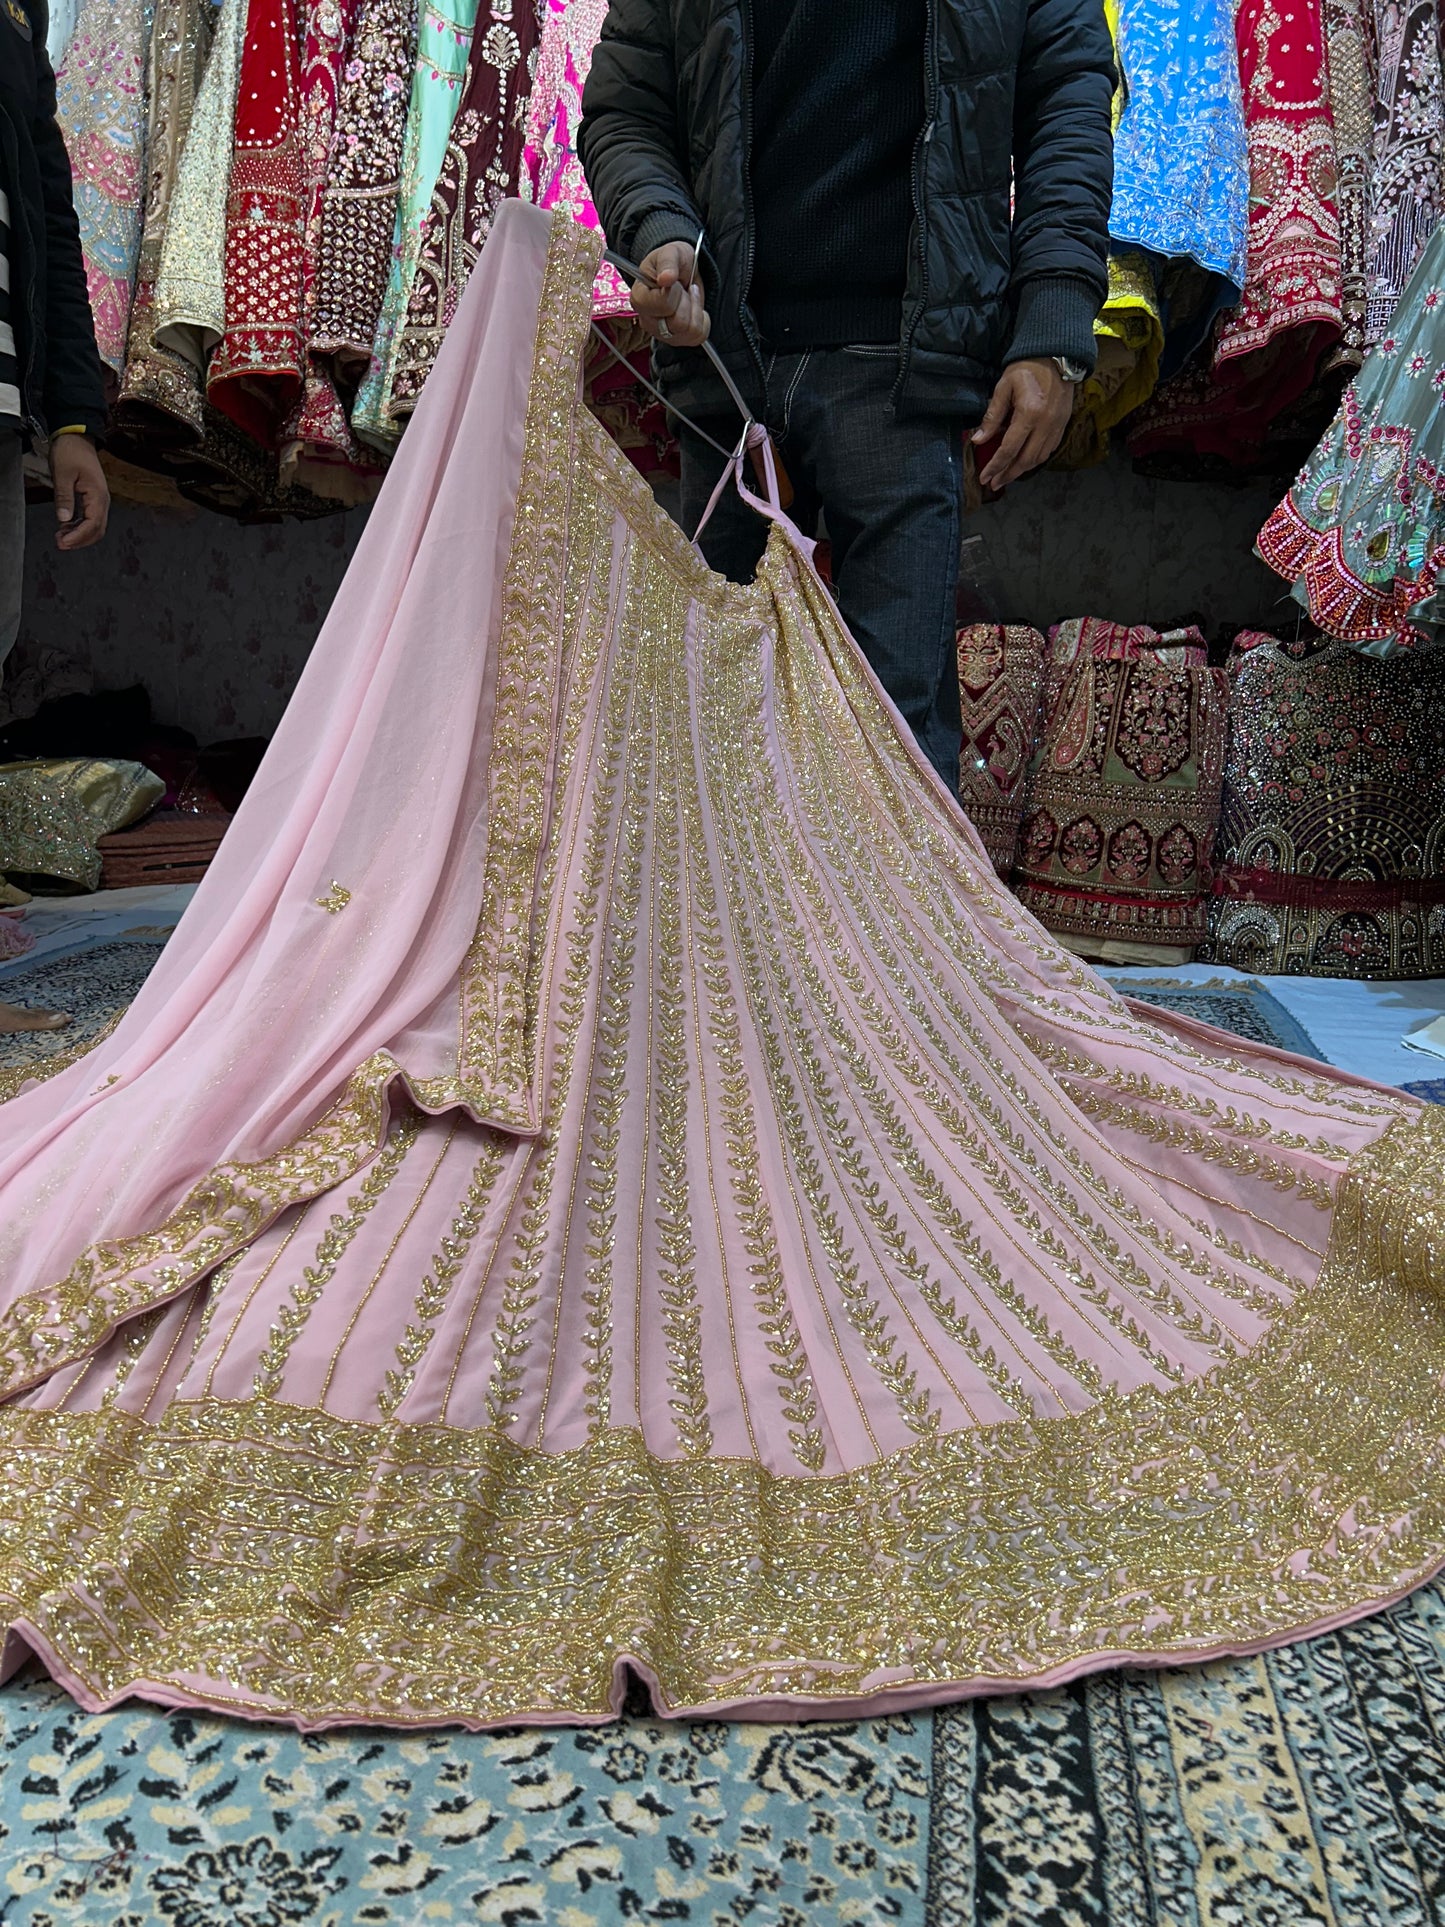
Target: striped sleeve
[9, 366]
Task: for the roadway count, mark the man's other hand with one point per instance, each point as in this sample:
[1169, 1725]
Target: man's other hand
[675, 311]
[80, 484]
[1030, 408]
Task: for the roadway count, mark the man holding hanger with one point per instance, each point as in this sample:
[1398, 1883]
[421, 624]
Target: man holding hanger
[905, 205]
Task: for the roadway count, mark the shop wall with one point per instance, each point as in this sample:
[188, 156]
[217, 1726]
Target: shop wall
[217, 620]
[1109, 543]
[214, 619]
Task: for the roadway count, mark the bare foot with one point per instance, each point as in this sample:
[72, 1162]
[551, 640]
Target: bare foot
[15, 1017]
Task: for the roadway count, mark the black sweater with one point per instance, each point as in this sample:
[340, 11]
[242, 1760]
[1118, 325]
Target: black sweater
[838, 107]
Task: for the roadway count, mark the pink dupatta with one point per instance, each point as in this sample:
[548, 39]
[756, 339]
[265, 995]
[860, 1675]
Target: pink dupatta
[332, 880]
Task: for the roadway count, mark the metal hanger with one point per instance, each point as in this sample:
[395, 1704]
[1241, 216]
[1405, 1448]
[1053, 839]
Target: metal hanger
[635, 273]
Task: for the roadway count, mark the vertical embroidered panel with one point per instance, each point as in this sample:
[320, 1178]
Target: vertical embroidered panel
[496, 1055]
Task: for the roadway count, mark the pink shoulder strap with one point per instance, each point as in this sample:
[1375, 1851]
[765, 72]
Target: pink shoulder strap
[756, 436]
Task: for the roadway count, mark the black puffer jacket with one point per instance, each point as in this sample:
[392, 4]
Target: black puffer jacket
[60, 377]
[1019, 95]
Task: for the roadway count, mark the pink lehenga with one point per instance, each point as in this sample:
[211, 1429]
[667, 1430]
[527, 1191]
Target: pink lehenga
[605, 1177]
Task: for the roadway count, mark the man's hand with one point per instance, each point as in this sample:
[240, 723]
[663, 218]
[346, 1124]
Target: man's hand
[675, 311]
[1034, 402]
[80, 484]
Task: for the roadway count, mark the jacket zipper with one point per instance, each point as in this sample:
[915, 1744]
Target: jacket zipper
[750, 334]
[27, 378]
[930, 124]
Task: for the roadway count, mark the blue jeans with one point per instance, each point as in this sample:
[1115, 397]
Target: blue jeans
[891, 494]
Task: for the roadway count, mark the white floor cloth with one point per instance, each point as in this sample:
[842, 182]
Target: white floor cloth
[1357, 1026]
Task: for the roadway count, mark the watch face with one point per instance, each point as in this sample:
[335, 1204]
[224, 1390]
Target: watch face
[1072, 371]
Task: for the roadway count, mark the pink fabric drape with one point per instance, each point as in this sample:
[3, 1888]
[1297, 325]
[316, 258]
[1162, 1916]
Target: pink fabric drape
[552, 175]
[220, 1060]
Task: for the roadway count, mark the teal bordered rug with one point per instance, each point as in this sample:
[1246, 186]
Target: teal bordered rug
[1245, 1007]
[1302, 1789]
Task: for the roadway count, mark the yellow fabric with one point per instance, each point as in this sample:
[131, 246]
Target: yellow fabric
[1130, 336]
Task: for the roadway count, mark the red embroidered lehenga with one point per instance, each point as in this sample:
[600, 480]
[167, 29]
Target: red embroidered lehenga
[254, 376]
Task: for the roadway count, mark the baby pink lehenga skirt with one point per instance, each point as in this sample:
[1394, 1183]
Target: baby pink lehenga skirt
[604, 1177]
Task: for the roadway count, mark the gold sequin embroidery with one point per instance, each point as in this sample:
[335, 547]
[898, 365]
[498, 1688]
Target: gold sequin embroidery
[502, 1582]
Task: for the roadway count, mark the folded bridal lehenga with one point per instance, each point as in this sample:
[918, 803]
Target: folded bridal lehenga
[605, 1177]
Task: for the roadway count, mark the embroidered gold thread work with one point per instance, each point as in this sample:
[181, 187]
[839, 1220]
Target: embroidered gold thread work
[497, 1026]
[14, 1078]
[816, 1283]
[527, 1575]
[221, 1215]
[446, 1266]
[331, 1249]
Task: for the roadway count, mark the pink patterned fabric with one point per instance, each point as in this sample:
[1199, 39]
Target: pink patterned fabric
[552, 175]
[15, 939]
[605, 1177]
[254, 931]
[101, 107]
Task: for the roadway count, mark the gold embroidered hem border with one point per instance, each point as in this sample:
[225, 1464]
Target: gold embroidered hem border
[435, 1575]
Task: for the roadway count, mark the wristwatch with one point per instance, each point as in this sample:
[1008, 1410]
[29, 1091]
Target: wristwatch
[1073, 372]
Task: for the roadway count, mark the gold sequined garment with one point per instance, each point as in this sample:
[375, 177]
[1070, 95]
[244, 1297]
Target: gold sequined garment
[189, 312]
[1331, 855]
[803, 1282]
[160, 391]
[54, 812]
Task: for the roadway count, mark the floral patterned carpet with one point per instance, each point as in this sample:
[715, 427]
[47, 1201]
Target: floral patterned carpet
[1242, 1005]
[92, 986]
[142, 1818]
[1303, 1789]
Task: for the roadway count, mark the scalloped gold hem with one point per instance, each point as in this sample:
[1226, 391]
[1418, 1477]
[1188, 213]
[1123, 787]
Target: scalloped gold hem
[272, 1560]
